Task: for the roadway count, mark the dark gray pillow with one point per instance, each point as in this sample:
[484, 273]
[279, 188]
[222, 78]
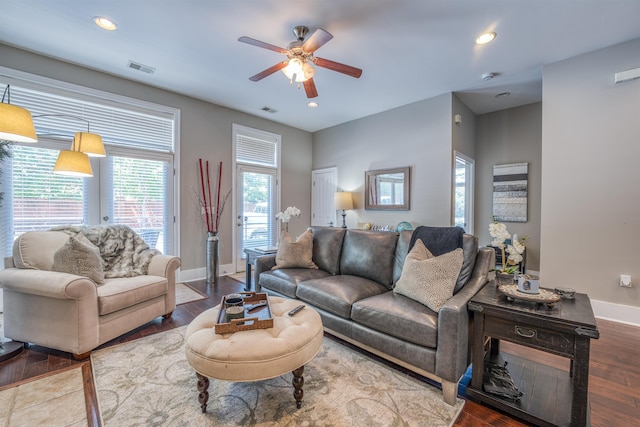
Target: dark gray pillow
[81, 259]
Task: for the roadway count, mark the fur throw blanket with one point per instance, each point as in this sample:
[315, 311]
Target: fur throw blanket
[123, 252]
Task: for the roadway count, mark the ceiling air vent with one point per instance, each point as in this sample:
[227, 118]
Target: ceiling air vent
[140, 67]
[269, 110]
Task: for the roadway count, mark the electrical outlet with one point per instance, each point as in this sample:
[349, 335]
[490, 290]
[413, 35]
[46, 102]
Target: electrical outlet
[625, 280]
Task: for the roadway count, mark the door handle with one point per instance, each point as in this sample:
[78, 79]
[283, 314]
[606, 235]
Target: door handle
[105, 218]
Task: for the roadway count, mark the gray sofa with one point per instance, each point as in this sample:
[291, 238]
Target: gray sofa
[352, 291]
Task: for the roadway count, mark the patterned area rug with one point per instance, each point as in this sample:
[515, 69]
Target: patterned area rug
[185, 294]
[148, 382]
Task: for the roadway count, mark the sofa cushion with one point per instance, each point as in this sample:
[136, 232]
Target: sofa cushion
[470, 253]
[369, 254]
[119, 293]
[327, 247]
[336, 294]
[35, 249]
[296, 254]
[402, 249]
[79, 258]
[285, 281]
[427, 279]
[398, 316]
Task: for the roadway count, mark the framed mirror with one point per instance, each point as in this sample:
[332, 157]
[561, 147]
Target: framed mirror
[387, 189]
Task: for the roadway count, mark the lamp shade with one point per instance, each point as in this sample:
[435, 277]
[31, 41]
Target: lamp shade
[88, 143]
[343, 200]
[73, 163]
[16, 124]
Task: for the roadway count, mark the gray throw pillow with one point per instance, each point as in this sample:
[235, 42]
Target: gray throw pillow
[296, 254]
[427, 279]
[81, 259]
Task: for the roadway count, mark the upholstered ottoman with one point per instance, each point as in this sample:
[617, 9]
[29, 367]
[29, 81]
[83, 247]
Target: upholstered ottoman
[257, 354]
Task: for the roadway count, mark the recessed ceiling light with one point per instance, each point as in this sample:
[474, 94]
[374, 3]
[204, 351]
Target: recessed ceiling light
[312, 104]
[105, 23]
[502, 94]
[486, 38]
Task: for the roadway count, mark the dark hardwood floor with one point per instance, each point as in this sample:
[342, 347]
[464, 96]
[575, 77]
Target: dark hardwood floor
[614, 376]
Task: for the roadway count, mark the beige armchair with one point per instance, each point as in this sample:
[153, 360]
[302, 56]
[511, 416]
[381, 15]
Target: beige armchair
[70, 312]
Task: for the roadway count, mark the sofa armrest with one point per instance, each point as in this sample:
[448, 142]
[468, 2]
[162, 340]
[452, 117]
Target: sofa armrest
[263, 263]
[50, 284]
[452, 356]
[163, 266]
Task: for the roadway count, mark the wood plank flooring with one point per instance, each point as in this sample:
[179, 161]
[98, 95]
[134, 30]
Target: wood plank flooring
[614, 380]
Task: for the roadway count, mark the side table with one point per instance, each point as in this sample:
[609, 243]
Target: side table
[566, 330]
[252, 254]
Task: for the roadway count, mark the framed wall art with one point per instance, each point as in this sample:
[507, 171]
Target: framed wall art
[510, 182]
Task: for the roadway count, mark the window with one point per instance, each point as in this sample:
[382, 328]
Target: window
[133, 185]
[463, 192]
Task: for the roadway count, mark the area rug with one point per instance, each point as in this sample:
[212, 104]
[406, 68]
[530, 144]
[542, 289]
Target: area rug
[148, 382]
[185, 294]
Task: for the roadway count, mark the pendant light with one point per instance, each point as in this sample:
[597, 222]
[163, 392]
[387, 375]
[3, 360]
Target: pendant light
[75, 161]
[16, 123]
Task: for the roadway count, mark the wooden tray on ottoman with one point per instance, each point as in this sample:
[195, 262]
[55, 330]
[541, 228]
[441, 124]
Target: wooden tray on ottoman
[261, 319]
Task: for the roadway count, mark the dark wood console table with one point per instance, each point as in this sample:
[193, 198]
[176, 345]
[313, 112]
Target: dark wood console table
[566, 330]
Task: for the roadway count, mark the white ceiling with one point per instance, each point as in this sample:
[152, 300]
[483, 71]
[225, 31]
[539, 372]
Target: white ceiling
[409, 49]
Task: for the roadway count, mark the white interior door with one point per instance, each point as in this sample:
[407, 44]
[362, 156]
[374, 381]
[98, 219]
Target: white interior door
[324, 185]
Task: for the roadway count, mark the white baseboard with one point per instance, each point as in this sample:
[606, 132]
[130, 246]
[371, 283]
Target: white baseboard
[616, 312]
[201, 273]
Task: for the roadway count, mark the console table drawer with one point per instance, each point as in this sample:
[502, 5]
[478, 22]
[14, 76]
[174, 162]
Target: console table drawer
[530, 335]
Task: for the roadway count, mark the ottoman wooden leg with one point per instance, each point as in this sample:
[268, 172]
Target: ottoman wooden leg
[203, 394]
[298, 382]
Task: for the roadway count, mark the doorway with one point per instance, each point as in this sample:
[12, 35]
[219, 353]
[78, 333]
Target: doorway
[463, 192]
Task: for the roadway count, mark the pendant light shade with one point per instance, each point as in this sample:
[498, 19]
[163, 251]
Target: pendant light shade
[73, 163]
[88, 143]
[16, 124]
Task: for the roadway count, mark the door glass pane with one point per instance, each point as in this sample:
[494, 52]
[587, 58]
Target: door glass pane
[139, 198]
[256, 209]
[40, 199]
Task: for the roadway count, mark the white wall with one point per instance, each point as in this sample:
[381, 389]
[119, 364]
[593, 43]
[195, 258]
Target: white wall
[416, 135]
[590, 176]
[205, 132]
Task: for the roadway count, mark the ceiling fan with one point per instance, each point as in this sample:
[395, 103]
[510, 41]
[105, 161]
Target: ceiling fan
[298, 66]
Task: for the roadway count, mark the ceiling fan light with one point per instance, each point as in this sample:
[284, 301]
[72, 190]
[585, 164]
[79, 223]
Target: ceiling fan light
[88, 143]
[73, 163]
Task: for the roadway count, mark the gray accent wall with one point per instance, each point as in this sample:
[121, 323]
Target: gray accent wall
[416, 135]
[590, 174]
[205, 132]
[510, 136]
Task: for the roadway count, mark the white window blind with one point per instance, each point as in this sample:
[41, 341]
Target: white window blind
[138, 198]
[58, 116]
[256, 148]
[39, 198]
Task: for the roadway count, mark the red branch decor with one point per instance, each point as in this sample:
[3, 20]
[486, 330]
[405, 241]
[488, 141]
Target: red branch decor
[212, 217]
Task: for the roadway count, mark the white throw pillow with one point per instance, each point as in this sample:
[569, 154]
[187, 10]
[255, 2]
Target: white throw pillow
[79, 258]
[427, 279]
[296, 254]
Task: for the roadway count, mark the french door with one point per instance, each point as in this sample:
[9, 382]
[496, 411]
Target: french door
[255, 210]
[125, 189]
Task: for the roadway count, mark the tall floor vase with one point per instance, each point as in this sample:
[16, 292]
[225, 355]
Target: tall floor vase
[213, 255]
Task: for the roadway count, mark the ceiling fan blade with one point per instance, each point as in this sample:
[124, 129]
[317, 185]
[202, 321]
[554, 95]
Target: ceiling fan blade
[264, 45]
[261, 75]
[310, 88]
[336, 66]
[317, 39]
